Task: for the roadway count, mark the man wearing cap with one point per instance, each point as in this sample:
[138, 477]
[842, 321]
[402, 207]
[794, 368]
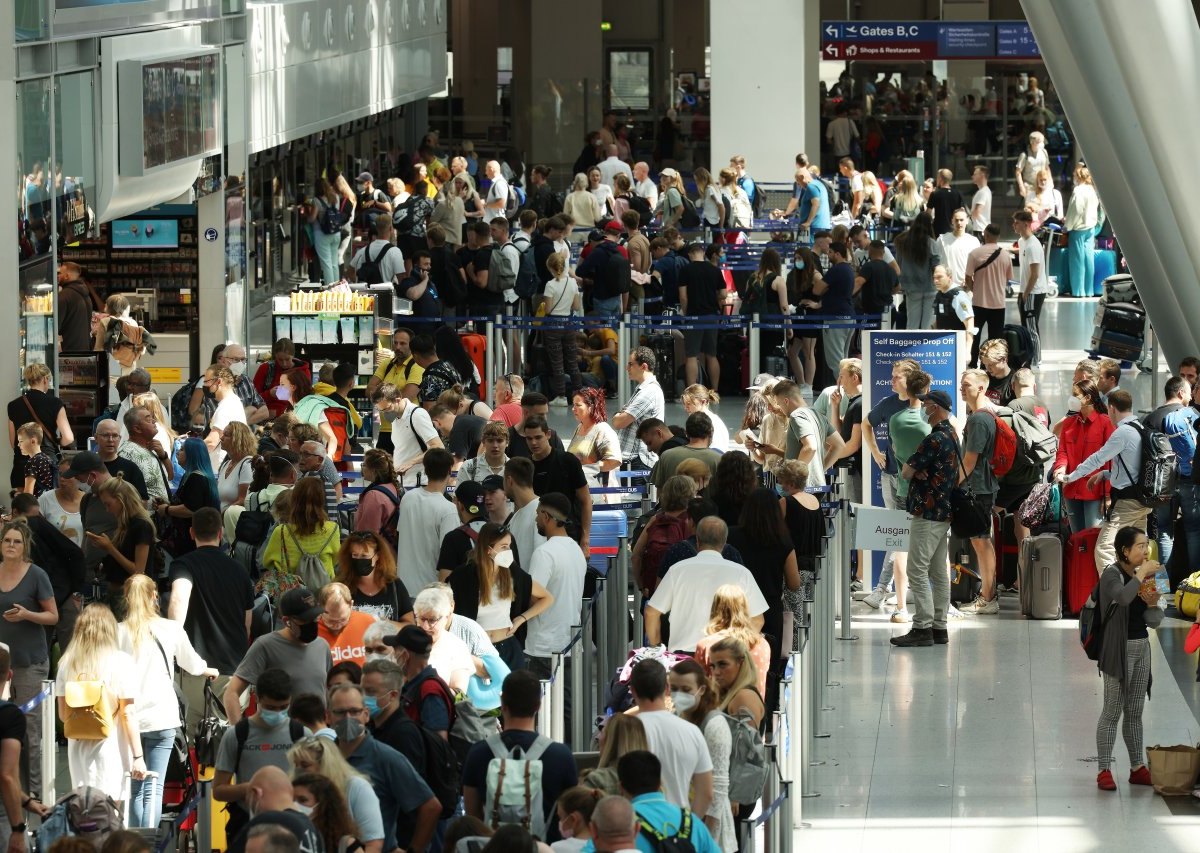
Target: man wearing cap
[560, 566]
[371, 201]
[932, 473]
[469, 499]
[603, 272]
[496, 505]
[295, 648]
[312, 464]
[522, 524]
[426, 698]
[89, 472]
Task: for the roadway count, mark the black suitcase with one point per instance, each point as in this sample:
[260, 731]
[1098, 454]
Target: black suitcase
[1004, 531]
[1119, 346]
[964, 571]
[662, 344]
[1125, 319]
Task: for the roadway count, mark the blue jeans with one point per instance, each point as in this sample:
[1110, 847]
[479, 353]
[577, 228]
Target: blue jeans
[327, 247]
[1083, 514]
[1189, 505]
[1164, 520]
[610, 307]
[156, 749]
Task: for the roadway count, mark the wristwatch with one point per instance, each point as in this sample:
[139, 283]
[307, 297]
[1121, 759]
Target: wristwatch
[18, 828]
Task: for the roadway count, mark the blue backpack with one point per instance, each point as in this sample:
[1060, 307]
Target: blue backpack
[1179, 426]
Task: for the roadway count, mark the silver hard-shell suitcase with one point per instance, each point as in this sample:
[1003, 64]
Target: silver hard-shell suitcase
[1041, 564]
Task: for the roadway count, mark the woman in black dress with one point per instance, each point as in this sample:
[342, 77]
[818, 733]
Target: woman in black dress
[806, 525]
[731, 486]
[37, 405]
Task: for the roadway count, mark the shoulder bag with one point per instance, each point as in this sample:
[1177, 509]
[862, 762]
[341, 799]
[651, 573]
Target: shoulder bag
[967, 519]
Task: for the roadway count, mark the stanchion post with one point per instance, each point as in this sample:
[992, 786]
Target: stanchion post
[805, 707]
[557, 689]
[617, 590]
[545, 717]
[581, 680]
[509, 338]
[770, 792]
[204, 817]
[754, 335]
[844, 584]
[623, 350]
[639, 623]
[604, 664]
[48, 709]
[491, 363]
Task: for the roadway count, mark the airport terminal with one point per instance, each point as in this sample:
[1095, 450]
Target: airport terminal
[446, 425]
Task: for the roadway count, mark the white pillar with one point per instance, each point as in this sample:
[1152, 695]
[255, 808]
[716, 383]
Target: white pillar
[1109, 64]
[764, 90]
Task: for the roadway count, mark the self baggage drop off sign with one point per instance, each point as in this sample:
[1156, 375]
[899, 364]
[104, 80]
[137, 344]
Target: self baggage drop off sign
[938, 354]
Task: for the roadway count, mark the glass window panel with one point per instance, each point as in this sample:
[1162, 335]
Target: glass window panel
[34, 168]
[31, 20]
[75, 175]
[629, 79]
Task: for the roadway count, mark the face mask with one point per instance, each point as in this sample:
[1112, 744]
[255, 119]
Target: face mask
[304, 810]
[379, 656]
[799, 265]
[564, 831]
[84, 487]
[273, 718]
[504, 559]
[1074, 404]
[684, 702]
[307, 632]
[349, 729]
[283, 392]
[238, 368]
[362, 566]
[371, 703]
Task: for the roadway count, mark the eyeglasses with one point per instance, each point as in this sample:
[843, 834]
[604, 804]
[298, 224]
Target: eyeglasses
[428, 620]
[508, 378]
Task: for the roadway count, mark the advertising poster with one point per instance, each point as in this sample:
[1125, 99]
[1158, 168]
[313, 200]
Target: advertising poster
[938, 353]
[145, 234]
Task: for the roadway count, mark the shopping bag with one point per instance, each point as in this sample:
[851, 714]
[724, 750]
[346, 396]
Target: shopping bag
[1173, 769]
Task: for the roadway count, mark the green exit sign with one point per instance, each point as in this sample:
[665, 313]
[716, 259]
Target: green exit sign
[605, 26]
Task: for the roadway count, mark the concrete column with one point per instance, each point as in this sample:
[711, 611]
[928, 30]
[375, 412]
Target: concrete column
[1106, 63]
[556, 91]
[10, 378]
[765, 115]
[473, 29]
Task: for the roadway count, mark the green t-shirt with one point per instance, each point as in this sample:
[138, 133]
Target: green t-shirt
[906, 428]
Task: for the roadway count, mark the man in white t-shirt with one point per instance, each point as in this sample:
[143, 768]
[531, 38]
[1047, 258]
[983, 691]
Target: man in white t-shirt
[413, 433]
[383, 252]
[861, 239]
[497, 194]
[981, 202]
[687, 590]
[679, 745]
[518, 486]
[847, 170]
[220, 381]
[643, 186]
[426, 516]
[612, 166]
[956, 245]
[1035, 284]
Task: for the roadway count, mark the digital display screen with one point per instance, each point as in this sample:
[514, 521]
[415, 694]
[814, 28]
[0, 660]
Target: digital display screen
[180, 109]
[145, 234]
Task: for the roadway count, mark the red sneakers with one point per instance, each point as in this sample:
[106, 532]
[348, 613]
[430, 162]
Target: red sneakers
[1141, 776]
[1105, 781]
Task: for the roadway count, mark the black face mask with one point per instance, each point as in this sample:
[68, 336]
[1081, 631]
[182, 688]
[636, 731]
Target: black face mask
[362, 566]
[307, 631]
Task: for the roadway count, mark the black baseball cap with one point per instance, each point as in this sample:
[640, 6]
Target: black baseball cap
[412, 638]
[470, 495]
[85, 462]
[941, 398]
[300, 603]
[493, 483]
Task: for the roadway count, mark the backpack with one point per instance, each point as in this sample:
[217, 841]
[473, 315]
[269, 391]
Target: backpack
[1156, 482]
[617, 273]
[690, 218]
[662, 532]
[502, 269]
[642, 206]
[741, 212]
[181, 420]
[514, 785]
[331, 219]
[252, 529]
[311, 570]
[402, 218]
[91, 709]
[1043, 508]
[680, 842]
[514, 202]
[1091, 625]
[1020, 345]
[1179, 430]
[749, 764]
[442, 772]
[87, 813]
[1035, 445]
[388, 530]
[369, 272]
[1004, 448]
[527, 283]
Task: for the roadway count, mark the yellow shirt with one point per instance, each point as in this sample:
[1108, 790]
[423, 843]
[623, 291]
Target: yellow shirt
[607, 335]
[274, 557]
[405, 373]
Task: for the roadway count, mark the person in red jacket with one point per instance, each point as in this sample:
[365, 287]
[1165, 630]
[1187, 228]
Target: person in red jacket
[1085, 428]
[266, 378]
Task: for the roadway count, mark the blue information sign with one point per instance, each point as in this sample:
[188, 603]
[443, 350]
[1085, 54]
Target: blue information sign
[940, 354]
[927, 40]
[1016, 41]
[966, 40]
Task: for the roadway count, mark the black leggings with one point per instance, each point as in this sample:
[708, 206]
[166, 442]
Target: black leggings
[993, 318]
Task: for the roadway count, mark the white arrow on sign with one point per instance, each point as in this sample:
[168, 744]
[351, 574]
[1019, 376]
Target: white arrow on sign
[831, 50]
[831, 31]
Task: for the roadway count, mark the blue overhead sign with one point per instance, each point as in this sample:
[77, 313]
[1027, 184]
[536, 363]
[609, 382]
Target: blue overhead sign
[927, 40]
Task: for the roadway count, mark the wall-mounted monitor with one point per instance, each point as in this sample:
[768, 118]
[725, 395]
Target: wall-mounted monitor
[145, 234]
[170, 110]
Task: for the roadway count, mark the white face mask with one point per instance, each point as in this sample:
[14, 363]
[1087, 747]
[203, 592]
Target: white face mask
[303, 809]
[238, 368]
[504, 559]
[379, 656]
[684, 702]
[1074, 404]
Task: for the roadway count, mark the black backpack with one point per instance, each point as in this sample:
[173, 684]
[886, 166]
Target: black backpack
[442, 772]
[617, 274]
[370, 272]
[680, 842]
[528, 282]
[642, 206]
[388, 529]
[690, 218]
[1158, 480]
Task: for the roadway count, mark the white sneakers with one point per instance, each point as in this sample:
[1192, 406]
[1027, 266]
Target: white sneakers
[875, 599]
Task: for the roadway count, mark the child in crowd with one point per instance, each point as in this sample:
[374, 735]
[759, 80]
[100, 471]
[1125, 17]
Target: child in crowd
[39, 467]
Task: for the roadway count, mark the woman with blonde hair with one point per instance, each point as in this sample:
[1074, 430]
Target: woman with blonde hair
[237, 471]
[307, 531]
[695, 699]
[736, 678]
[711, 206]
[37, 404]
[322, 756]
[581, 205]
[872, 202]
[1083, 221]
[907, 203]
[730, 617]
[1031, 162]
[697, 471]
[670, 198]
[1045, 199]
[697, 398]
[130, 548]
[498, 594]
[366, 563]
[156, 645]
[94, 658]
[621, 734]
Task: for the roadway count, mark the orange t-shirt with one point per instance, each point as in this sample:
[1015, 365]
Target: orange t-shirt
[348, 645]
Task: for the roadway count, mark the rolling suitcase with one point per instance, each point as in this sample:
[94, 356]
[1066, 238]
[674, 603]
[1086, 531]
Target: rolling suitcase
[1120, 288]
[1124, 318]
[1119, 346]
[964, 571]
[1079, 568]
[1004, 535]
[1041, 567]
[476, 346]
[1105, 267]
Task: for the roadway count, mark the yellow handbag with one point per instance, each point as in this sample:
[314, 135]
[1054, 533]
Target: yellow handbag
[1187, 595]
[91, 714]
